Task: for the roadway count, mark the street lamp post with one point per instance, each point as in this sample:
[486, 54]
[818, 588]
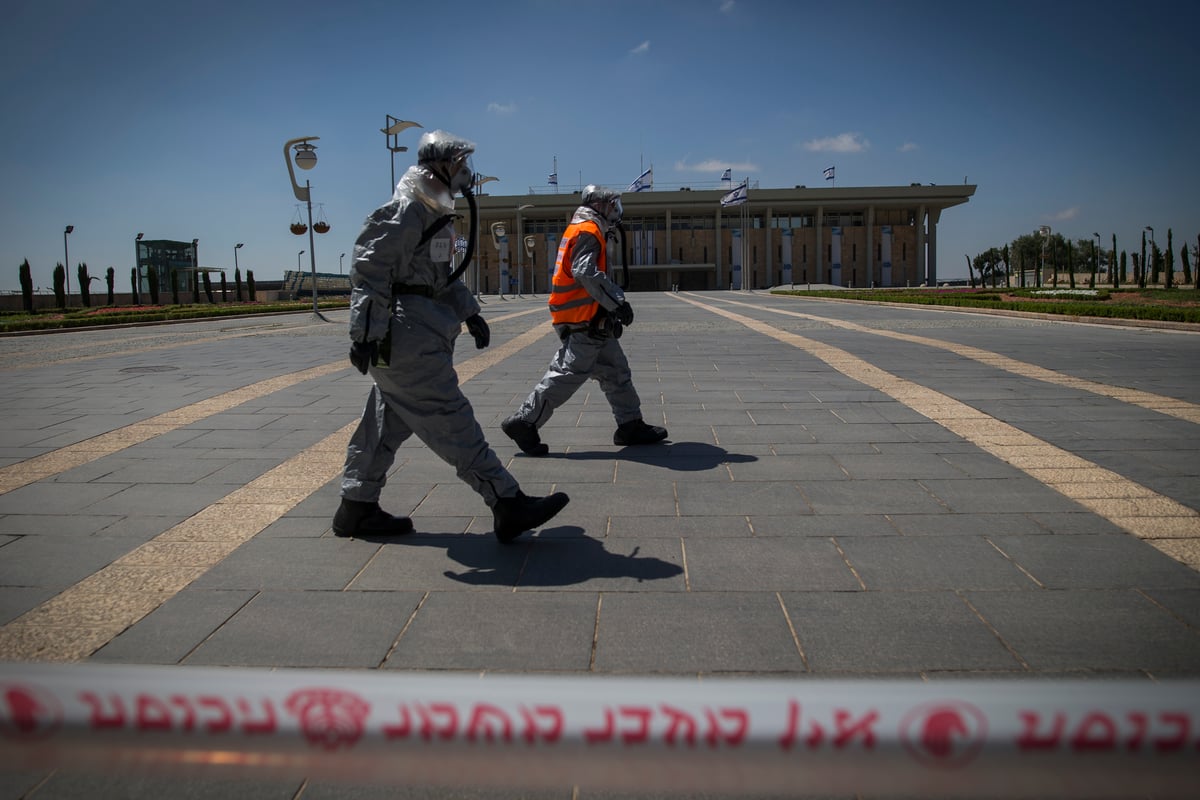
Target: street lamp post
[137, 261]
[298, 260]
[1045, 232]
[236, 271]
[391, 130]
[519, 241]
[236, 247]
[343, 255]
[195, 271]
[306, 158]
[480, 180]
[1096, 236]
[67, 261]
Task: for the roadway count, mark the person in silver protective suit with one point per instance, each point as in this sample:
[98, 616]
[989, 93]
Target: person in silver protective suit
[406, 310]
[589, 312]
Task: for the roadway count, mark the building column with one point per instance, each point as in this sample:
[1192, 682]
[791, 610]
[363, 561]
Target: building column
[922, 276]
[820, 247]
[870, 246]
[934, 215]
[718, 247]
[769, 239]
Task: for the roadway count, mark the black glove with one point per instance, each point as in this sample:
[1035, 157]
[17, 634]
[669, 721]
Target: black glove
[364, 354]
[624, 313]
[479, 329]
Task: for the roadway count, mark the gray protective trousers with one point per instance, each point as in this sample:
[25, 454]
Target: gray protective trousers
[580, 357]
[418, 393]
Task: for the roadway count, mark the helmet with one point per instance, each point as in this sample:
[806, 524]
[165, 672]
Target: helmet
[604, 201]
[442, 146]
[447, 156]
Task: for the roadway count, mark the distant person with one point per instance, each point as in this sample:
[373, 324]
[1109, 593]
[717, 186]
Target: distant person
[405, 314]
[589, 312]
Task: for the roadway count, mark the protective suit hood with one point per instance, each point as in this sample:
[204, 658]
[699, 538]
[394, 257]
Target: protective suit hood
[423, 184]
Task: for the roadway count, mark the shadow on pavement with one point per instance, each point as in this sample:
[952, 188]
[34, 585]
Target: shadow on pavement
[678, 456]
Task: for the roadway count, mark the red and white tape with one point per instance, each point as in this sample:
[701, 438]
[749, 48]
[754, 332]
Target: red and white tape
[962, 738]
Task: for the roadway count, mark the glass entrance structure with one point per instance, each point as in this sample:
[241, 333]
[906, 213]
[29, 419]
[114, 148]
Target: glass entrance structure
[161, 256]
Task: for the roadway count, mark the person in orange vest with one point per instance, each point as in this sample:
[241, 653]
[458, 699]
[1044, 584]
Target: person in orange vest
[589, 312]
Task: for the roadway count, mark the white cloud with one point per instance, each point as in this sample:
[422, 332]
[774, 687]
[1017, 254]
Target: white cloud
[842, 143]
[727, 7]
[907, 147]
[644, 47]
[716, 165]
[502, 108]
[1065, 214]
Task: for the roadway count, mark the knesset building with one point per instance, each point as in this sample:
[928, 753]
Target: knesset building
[854, 237]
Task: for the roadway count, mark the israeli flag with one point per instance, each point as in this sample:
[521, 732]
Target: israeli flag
[644, 182]
[728, 176]
[553, 179]
[829, 173]
[460, 244]
[736, 197]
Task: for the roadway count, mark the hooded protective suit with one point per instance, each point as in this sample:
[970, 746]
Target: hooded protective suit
[401, 296]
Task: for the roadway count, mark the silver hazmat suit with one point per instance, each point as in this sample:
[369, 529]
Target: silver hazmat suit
[582, 354]
[417, 391]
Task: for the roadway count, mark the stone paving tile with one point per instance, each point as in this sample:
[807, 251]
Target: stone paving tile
[76, 785]
[292, 564]
[174, 629]
[56, 562]
[1100, 561]
[161, 499]
[443, 562]
[55, 524]
[1183, 603]
[641, 526]
[869, 497]
[686, 633]
[824, 525]
[767, 564]
[930, 563]
[16, 600]
[999, 496]
[499, 632]
[815, 467]
[309, 629]
[1105, 629]
[893, 631]
[1014, 523]
[748, 498]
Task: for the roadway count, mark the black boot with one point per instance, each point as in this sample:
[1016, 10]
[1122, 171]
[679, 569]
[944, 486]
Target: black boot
[525, 434]
[356, 518]
[512, 516]
[638, 432]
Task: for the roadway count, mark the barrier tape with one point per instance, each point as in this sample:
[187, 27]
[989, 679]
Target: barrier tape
[962, 738]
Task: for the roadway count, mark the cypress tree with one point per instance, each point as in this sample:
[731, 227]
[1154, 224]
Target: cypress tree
[85, 285]
[208, 290]
[1112, 266]
[60, 283]
[1070, 264]
[110, 277]
[1169, 262]
[1140, 269]
[1187, 266]
[152, 280]
[237, 283]
[174, 287]
[224, 288]
[26, 287]
[250, 285]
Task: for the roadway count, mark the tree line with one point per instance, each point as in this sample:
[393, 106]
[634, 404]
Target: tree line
[1047, 257]
[196, 278]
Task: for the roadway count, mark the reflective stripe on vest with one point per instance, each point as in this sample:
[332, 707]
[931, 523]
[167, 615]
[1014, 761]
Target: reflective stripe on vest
[570, 302]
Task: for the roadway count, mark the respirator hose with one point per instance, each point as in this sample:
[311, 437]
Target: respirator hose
[474, 227]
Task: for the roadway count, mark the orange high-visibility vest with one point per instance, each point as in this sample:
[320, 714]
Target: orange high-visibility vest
[570, 302]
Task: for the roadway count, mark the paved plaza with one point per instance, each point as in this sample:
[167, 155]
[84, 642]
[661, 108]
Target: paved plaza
[849, 491]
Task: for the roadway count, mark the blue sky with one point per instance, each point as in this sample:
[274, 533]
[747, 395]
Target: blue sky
[170, 118]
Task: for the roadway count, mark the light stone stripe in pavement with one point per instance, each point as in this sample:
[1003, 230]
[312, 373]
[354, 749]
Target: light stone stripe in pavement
[78, 621]
[1171, 406]
[1169, 525]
